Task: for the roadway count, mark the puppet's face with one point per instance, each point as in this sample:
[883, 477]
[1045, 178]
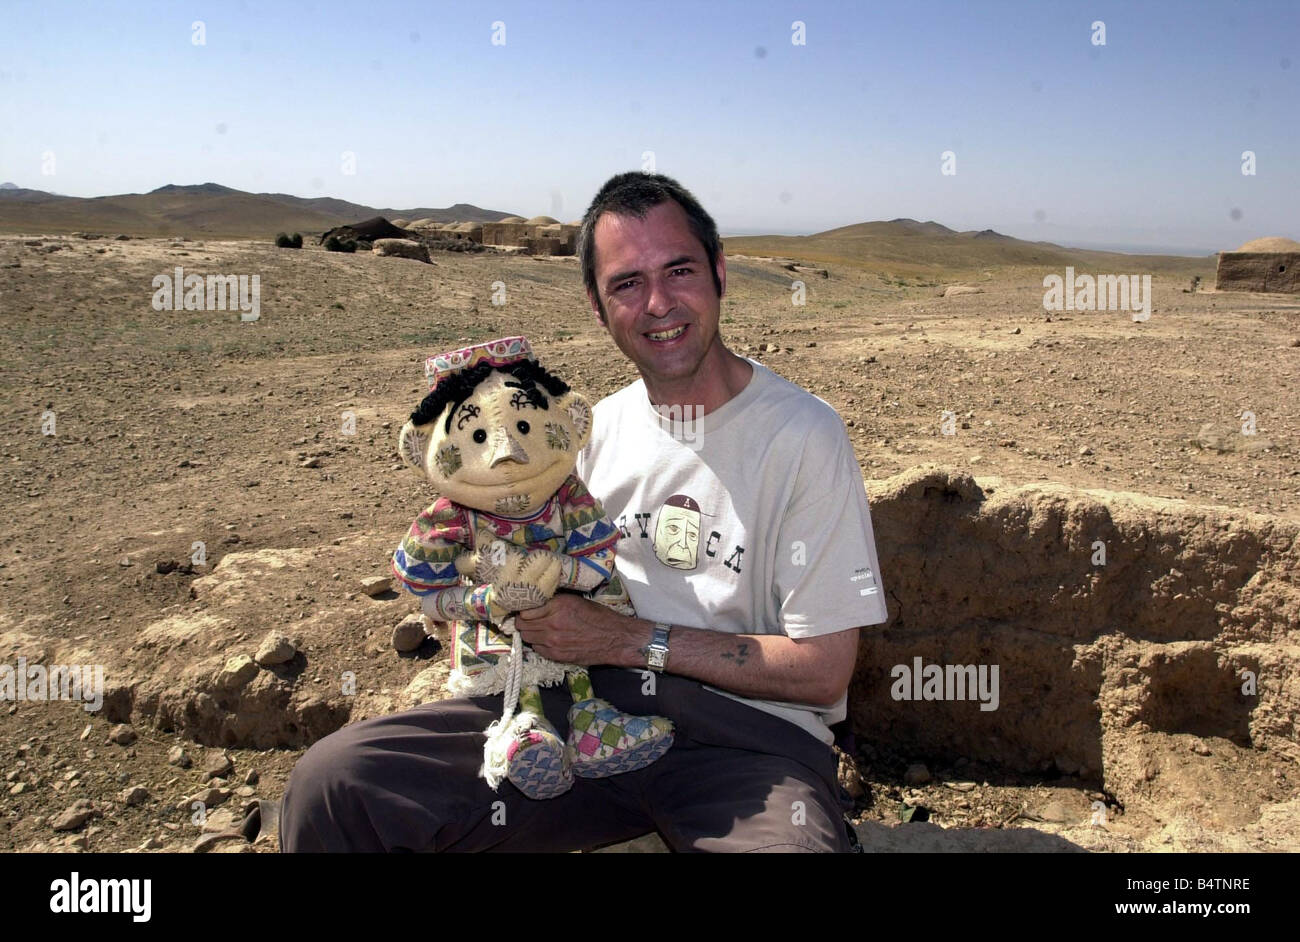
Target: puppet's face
[503, 453]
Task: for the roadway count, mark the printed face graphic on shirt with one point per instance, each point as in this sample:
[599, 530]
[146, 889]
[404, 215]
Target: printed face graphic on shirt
[677, 533]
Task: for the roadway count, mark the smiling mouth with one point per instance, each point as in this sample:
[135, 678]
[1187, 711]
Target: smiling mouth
[520, 474]
[663, 335]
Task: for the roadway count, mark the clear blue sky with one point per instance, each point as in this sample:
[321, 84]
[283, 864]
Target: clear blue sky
[1137, 142]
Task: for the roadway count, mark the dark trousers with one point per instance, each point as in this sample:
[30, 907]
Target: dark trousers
[735, 779]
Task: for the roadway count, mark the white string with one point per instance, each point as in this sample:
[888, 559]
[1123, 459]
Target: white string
[515, 673]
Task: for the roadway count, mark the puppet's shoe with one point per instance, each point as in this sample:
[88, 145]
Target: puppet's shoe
[606, 741]
[536, 762]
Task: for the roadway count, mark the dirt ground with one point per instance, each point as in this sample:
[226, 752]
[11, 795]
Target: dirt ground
[176, 427]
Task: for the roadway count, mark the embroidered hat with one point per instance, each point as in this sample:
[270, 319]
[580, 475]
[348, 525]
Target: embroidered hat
[501, 352]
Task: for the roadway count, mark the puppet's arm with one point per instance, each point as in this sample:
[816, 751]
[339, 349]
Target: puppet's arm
[494, 555]
[462, 603]
[424, 565]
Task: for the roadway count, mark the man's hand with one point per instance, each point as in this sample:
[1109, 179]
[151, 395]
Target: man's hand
[575, 630]
[814, 671]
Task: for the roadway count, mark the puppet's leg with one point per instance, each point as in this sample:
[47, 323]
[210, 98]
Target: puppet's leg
[606, 741]
[535, 758]
[522, 746]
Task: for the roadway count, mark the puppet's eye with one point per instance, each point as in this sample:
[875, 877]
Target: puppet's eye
[480, 436]
[523, 427]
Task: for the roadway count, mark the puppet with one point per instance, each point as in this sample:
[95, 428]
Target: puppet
[498, 436]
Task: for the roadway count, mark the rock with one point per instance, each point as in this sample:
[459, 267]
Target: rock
[376, 585]
[87, 732]
[245, 791]
[177, 756]
[426, 686]
[75, 816]
[1016, 331]
[208, 841]
[1055, 812]
[916, 774]
[850, 776]
[252, 777]
[122, 734]
[401, 248]
[18, 788]
[311, 463]
[274, 649]
[1085, 451]
[238, 672]
[151, 843]
[208, 797]
[771, 348]
[1200, 748]
[954, 290]
[219, 821]
[218, 766]
[409, 633]
[135, 795]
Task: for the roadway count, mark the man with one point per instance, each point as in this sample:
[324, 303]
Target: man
[748, 553]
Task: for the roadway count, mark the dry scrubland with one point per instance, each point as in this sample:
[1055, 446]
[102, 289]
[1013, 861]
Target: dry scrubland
[1119, 684]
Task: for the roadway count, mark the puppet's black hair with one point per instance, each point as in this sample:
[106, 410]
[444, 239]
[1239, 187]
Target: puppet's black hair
[454, 390]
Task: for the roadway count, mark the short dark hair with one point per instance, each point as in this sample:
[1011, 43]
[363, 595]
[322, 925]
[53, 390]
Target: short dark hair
[455, 389]
[634, 194]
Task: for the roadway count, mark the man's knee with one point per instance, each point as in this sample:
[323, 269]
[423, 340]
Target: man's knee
[319, 811]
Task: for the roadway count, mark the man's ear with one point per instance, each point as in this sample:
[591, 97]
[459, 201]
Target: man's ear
[412, 444]
[579, 411]
[595, 308]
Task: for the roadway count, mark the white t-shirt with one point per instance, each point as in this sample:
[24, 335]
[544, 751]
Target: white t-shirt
[752, 519]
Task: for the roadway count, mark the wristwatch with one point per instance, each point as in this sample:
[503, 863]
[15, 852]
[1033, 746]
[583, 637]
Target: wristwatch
[656, 657]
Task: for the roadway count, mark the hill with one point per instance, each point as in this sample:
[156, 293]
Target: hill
[208, 210]
[909, 247]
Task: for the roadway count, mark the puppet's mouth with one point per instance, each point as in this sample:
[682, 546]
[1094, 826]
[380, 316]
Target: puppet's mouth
[512, 474]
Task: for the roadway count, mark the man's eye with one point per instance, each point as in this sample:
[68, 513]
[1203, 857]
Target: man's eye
[676, 270]
[480, 436]
[523, 427]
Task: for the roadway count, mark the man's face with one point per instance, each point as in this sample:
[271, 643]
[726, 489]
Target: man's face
[660, 304]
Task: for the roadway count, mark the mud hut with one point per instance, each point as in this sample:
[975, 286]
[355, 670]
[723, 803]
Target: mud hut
[1268, 265]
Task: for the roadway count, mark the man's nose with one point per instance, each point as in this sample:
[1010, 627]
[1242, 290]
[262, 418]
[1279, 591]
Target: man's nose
[660, 302]
[506, 448]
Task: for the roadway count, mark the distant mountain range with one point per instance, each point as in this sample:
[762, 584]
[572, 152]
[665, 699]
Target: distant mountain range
[208, 209]
[906, 246]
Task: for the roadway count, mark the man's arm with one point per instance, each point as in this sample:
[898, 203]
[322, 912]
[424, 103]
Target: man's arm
[813, 670]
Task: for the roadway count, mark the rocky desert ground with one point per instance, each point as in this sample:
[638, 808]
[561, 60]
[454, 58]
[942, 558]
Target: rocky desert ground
[137, 440]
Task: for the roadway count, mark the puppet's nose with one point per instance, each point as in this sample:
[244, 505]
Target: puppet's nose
[505, 448]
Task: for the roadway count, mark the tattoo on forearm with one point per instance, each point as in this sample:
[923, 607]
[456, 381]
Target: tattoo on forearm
[740, 654]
